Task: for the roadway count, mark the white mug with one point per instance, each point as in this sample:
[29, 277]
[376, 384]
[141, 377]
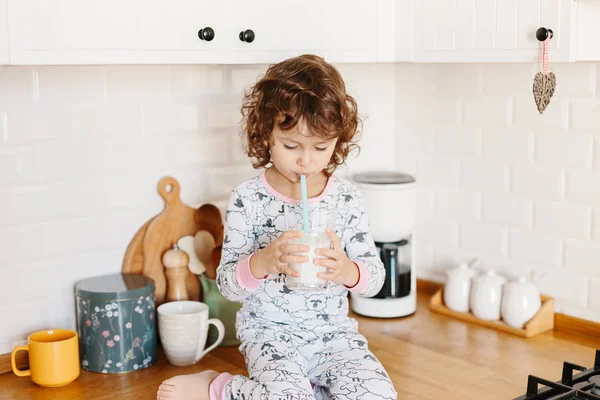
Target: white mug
[183, 328]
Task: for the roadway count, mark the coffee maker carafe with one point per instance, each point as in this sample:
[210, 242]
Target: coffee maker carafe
[389, 199]
[396, 259]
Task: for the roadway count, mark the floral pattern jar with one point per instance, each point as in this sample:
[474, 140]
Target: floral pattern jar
[116, 323]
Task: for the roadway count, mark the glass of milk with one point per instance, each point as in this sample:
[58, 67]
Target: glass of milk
[320, 217]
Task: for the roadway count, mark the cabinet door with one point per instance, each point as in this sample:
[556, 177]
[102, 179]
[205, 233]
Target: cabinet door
[395, 28]
[169, 31]
[113, 31]
[492, 30]
[4, 56]
[71, 31]
[339, 30]
[587, 24]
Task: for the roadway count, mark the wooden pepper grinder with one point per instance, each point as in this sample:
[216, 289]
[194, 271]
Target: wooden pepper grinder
[176, 262]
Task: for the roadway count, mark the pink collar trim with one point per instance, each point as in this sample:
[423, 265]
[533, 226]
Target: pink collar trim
[275, 193]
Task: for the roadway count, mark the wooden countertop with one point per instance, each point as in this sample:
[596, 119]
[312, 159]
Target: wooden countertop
[428, 356]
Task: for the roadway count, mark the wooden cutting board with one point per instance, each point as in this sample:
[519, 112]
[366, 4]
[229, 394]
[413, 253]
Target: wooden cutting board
[175, 221]
[133, 262]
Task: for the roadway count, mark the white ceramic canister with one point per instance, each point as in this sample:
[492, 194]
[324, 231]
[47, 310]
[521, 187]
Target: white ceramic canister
[458, 287]
[520, 302]
[486, 295]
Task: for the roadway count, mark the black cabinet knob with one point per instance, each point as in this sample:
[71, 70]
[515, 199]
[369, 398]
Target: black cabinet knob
[247, 36]
[207, 34]
[542, 34]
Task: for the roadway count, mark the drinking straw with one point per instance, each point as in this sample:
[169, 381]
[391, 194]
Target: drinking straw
[304, 203]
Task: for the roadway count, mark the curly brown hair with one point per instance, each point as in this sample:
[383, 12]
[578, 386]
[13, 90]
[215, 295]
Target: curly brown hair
[307, 90]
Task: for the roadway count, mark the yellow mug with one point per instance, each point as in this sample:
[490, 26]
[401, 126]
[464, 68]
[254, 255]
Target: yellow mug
[53, 357]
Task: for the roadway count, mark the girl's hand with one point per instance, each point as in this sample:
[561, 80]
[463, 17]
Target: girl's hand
[342, 270]
[275, 258]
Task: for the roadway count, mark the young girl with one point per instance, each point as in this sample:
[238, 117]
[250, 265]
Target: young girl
[298, 120]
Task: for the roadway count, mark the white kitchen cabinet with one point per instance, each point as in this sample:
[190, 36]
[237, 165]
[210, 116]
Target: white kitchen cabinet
[395, 26]
[588, 16]
[493, 30]
[4, 54]
[169, 31]
[114, 31]
[339, 30]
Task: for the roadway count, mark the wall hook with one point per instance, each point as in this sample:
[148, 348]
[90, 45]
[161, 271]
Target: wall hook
[542, 34]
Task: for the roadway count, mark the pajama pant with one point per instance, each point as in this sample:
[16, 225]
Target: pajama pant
[303, 364]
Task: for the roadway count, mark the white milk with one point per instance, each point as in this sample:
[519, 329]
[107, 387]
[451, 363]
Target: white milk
[308, 279]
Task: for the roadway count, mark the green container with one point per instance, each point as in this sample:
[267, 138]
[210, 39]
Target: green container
[116, 323]
[221, 308]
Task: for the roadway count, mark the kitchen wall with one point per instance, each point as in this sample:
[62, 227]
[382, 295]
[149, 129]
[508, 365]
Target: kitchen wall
[81, 151]
[518, 190]
[82, 148]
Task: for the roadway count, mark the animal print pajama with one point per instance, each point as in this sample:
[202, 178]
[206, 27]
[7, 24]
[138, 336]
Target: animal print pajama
[299, 344]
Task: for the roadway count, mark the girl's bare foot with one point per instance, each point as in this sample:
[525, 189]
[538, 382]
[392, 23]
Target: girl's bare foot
[187, 387]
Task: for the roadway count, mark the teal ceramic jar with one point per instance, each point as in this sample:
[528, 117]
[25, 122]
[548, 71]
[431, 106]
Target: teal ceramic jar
[116, 323]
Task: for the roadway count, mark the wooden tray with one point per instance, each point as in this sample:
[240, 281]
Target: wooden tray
[543, 321]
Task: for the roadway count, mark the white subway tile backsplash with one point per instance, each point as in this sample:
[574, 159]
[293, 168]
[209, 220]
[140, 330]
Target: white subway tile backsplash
[482, 238]
[38, 314]
[581, 256]
[446, 110]
[595, 224]
[484, 175]
[488, 111]
[59, 274]
[459, 79]
[243, 77]
[582, 186]
[507, 210]
[195, 82]
[70, 84]
[47, 240]
[460, 141]
[108, 120]
[594, 295]
[567, 288]
[507, 145]
[597, 79]
[137, 82]
[415, 78]
[457, 203]
[57, 161]
[511, 79]
[170, 118]
[446, 258]
[584, 115]
[470, 133]
[425, 201]
[222, 180]
[537, 181]
[564, 149]
[527, 116]
[16, 85]
[16, 165]
[38, 123]
[437, 170]
[224, 115]
[568, 220]
[574, 79]
[436, 231]
[541, 250]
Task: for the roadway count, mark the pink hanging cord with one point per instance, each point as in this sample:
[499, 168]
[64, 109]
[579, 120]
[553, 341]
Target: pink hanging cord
[544, 56]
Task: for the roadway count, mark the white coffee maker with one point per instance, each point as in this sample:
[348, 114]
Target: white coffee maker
[390, 202]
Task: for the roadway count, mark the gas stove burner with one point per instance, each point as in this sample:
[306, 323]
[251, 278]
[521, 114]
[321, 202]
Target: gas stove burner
[583, 385]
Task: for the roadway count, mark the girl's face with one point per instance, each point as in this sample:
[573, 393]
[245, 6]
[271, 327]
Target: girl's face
[296, 152]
